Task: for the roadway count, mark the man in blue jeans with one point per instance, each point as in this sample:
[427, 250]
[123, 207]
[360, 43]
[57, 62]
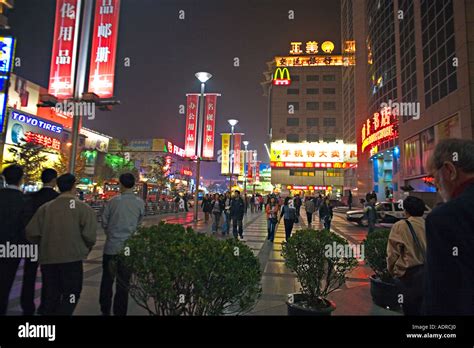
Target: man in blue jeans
[237, 210]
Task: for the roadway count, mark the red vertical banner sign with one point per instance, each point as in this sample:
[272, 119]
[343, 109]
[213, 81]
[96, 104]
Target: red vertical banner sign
[237, 141]
[63, 59]
[257, 172]
[104, 48]
[249, 171]
[209, 126]
[191, 124]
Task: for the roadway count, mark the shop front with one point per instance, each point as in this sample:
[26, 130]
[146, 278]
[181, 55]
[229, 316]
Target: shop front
[311, 168]
[380, 141]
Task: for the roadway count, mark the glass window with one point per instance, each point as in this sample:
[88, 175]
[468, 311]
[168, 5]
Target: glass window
[329, 77]
[292, 122]
[312, 122]
[312, 137]
[292, 91]
[312, 91]
[296, 106]
[295, 77]
[312, 78]
[329, 91]
[329, 105]
[312, 106]
[329, 122]
[292, 138]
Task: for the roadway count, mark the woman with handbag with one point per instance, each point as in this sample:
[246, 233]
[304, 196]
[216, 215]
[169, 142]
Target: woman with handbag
[288, 213]
[272, 210]
[406, 250]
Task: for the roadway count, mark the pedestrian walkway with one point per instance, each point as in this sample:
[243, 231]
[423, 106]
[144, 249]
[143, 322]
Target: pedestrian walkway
[277, 281]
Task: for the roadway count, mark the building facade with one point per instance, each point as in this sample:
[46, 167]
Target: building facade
[411, 87]
[306, 118]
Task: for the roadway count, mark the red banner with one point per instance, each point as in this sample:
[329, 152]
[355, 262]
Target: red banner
[104, 48]
[257, 172]
[63, 58]
[249, 171]
[209, 126]
[237, 141]
[191, 125]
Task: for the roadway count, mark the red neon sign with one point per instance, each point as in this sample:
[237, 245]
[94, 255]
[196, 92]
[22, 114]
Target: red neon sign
[63, 58]
[186, 172]
[310, 165]
[209, 126]
[43, 140]
[104, 48]
[379, 128]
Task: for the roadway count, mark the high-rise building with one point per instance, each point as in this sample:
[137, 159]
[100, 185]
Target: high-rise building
[411, 87]
[305, 118]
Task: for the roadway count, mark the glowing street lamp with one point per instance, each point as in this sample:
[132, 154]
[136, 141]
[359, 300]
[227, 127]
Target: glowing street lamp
[232, 122]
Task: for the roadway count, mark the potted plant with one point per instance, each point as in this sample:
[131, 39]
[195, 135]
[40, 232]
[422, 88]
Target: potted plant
[176, 271]
[383, 289]
[320, 271]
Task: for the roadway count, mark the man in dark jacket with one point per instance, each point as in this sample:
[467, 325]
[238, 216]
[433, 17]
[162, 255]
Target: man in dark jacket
[326, 214]
[237, 209]
[12, 226]
[449, 271]
[36, 200]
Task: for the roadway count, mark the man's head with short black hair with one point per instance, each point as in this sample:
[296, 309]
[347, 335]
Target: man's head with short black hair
[414, 206]
[13, 174]
[48, 176]
[127, 180]
[237, 192]
[66, 182]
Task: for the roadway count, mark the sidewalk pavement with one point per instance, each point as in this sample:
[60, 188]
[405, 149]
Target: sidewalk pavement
[277, 281]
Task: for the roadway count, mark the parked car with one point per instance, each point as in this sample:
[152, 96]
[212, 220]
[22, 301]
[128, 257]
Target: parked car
[387, 212]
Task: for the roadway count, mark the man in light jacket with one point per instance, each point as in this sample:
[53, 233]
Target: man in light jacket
[65, 230]
[121, 218]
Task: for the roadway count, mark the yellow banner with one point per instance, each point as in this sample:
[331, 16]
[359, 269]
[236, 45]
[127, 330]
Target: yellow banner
[225, 154]
[242, 163]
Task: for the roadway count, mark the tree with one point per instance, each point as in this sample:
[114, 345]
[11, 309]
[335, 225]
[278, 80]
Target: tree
[160, 173]
[62, 164]
[31, 157]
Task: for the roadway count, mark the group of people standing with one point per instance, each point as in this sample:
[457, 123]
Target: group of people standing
[231, 207]
[63, 230]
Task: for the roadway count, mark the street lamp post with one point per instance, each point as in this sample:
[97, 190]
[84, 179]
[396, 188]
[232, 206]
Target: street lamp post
[232, 122]
[246, 144]
[203, 77]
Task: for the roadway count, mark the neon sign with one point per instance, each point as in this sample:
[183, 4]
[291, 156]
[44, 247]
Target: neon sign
[186, 172]
[304, 187]
[381, 127]
[342, 165]
[281, 77]
[43, 140]
[175, 149]
[33, 121]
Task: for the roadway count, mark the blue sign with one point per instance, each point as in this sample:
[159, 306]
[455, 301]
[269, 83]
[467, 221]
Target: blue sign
[7, 48]
[36, 122]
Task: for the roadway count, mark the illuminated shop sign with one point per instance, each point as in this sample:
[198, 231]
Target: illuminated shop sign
[307, 188]
[175, 149]
[342, 165]
[336, 152]
[381, 127]
[7, 49]
[36, 122]
[186, 172]
[43, 140]
[281, 77]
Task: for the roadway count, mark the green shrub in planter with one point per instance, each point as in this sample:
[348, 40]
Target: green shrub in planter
[375, 247]
[319, 274]
[179, 272]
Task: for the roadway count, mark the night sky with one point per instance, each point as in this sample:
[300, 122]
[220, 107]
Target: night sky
[165, 52]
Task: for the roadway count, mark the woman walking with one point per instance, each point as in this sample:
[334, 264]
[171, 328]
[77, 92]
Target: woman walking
[325, 214]
[272, 209]
[217, 208]
[289, 217]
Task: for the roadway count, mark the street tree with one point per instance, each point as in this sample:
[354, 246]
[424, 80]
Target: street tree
[31, 157]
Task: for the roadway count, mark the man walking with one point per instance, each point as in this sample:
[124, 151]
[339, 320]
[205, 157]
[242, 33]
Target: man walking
[121, 218]
[371, 214]
[65, 230]
[449, 267]
[12, 211]
[237, 208]
[297, 203]
[326, 214]
[35, 201]
[310, 209]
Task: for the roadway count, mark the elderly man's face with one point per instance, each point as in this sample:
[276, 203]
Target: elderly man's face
[445, 179]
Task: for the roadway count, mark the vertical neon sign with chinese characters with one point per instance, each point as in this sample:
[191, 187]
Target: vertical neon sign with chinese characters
[104, 48]
[191, 124]
[209, 126]
[63, 59]
[7, 50]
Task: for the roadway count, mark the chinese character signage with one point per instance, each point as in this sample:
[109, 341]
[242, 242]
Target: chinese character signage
[242, 163]
[257, 172]
[209, 126]
[302, 153]
[225, 159]
[63, 59]
[104, 48]
[43, 140]
[382, 126]
[7, 49]
[191, 124]
[236, 156]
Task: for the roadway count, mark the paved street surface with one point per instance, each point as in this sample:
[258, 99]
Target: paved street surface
[277, 281]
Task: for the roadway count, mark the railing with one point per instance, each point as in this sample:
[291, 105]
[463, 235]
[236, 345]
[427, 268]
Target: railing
[151, 208]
